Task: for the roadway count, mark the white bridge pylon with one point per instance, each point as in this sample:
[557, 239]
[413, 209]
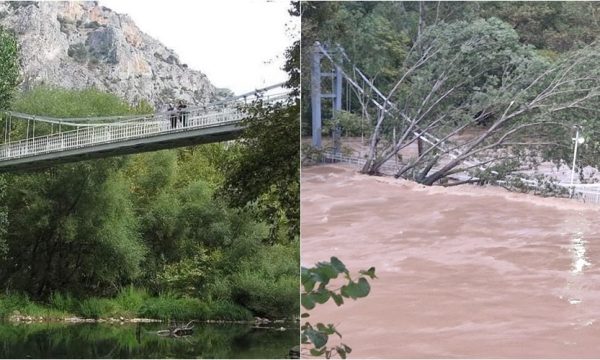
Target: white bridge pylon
[84, 138]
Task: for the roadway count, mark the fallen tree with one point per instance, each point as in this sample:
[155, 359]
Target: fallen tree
[476, 77]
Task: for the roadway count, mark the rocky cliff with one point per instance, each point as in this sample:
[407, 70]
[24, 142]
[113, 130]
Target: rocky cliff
[81, 45]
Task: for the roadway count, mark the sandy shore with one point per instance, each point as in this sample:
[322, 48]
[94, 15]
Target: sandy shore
[463, 272]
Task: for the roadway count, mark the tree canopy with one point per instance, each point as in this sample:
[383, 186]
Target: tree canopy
[9, 67]
[492, 86]
[153, 220]
[266, 169]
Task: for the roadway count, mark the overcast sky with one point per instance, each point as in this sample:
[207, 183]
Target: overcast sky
[238, 44]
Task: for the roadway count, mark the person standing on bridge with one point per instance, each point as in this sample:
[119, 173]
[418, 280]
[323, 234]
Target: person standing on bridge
[181, 106]
[172, 115]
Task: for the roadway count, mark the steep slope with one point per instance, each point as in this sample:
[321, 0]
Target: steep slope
[81, 45]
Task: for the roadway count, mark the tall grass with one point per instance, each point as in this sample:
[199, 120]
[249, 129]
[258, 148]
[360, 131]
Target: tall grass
[12, 303]
[128, 303]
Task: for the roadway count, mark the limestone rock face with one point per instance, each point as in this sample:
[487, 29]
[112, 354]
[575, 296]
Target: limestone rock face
[81, 44]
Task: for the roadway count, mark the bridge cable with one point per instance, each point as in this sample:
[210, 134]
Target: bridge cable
[347, 97]
[5, 127]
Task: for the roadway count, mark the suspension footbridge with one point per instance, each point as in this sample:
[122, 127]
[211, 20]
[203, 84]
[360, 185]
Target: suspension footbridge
[341, 69]
[62, 140]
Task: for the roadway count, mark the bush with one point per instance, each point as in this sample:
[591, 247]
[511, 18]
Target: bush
[227, 311]
[62, 302]
[130, 299]
[167, 306]
[267, 297]
[219, 289]
[18, 302]
[268, 284]
[95, 308]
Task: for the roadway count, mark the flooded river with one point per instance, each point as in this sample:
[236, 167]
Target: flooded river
[463, 272]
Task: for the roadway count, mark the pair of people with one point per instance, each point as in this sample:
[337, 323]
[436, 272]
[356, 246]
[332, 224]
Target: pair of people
[179, 115]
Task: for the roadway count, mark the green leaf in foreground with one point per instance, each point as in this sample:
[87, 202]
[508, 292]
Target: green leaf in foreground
[338, 265]
[370, 273]
[307, 301]
[317, 338]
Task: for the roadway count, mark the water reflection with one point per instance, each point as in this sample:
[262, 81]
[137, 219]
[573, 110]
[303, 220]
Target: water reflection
[578, 250]
[48, 340]
[580, 260]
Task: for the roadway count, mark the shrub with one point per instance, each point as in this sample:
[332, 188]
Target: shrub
[167, 306]
[62, 302]
[267, 297]
[18, 302]
[268, 284]
[96, 308]
[227, 311]
[130, 299]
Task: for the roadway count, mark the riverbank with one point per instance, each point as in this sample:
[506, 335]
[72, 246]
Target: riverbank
[130, 305]
[464, 272]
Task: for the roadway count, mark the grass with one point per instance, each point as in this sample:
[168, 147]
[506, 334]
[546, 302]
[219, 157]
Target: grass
[130, 302]
[12, 303]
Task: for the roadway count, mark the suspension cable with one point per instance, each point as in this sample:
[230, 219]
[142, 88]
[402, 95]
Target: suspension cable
[5, 127]
[347, 96]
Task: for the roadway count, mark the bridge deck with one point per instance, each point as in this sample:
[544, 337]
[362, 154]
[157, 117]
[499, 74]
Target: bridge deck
[126, 136]
[159, 141]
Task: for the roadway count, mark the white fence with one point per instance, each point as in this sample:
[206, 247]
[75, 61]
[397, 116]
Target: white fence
[588, 193]
[91, 135]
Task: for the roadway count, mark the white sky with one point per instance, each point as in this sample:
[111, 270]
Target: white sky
[238, 44]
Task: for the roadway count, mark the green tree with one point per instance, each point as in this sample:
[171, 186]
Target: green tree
[266, 169]
[473, 74]
[198, 245]
[9, 67]
[552, 26]
[3, 219]
[69, 226]
[9, 78]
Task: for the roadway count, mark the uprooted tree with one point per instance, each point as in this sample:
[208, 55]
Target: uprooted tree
[481, 103]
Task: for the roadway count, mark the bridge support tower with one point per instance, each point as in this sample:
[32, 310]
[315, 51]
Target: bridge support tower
[317, 96]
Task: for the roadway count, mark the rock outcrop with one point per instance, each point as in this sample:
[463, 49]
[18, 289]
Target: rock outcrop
[82, 44]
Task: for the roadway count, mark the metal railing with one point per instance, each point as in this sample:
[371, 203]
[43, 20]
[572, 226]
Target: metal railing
[588, 193]
[90, 134]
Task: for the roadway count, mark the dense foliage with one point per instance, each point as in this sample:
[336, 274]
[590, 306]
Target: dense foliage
[9, 67]
[317, 289]
[266, 171]
[500, 85]
[90, 229]
[9, 76]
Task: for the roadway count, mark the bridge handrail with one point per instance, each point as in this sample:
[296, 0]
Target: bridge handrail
[236, 100]
[100, 135]
[585, 192]
[93, 135]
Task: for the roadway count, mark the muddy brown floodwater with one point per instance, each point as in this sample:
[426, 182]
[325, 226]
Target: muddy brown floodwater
[463, 272]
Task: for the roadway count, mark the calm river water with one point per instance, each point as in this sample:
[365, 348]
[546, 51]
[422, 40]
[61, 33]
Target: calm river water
[463, 272]
[140, 341]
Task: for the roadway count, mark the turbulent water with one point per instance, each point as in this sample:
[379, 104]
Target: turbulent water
[463, 272]
[47, 340]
